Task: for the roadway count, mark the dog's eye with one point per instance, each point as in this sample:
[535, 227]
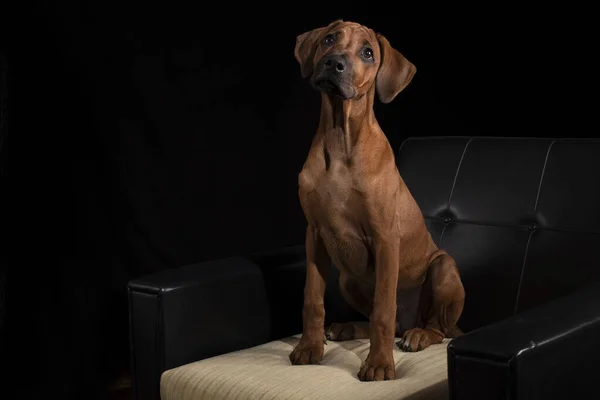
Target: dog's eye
[368, 53]
[329, 39]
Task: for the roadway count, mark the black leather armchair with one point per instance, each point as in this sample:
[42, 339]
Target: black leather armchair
[549, 352]
[519, 215]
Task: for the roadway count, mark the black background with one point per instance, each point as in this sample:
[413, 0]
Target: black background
[146, 137]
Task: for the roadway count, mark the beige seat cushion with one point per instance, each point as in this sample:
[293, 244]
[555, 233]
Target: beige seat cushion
[264, 372]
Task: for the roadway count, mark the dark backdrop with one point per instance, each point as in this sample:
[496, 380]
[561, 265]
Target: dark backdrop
[146, 138]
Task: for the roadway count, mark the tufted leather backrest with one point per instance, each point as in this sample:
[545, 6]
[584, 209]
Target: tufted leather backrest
[521, 216]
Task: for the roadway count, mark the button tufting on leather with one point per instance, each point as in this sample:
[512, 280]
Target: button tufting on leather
[532, 227]
[447, 220]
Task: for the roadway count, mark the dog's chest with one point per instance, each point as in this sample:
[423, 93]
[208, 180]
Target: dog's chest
[332, 203]
[330, 196]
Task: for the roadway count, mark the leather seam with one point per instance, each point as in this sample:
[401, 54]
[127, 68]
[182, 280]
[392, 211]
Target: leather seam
[457, 171]
[134, 385]
[161, 337]
[441, 240]
[568, 332]
[467, 222]
[415, 138]
[537, 198]
[522, 273]
[152, 290]
[561, 140]
[402, 145]
[497, 225]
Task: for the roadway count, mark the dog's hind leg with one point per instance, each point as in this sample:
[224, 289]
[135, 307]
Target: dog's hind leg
[360, 299]
[443, 308]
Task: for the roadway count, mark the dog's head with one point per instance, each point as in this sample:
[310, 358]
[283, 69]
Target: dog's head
[346, 59]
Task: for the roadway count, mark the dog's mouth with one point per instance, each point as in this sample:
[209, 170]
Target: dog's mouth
[333, 88]
[329, 86]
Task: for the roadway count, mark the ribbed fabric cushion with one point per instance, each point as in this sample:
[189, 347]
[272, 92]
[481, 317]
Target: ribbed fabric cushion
[264, 372]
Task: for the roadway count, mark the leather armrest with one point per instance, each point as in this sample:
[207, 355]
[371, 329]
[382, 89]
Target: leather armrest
[548, 352]
[185, 314]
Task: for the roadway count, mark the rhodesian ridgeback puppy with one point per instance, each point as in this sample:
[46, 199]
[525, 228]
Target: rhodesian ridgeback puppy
[360, 214]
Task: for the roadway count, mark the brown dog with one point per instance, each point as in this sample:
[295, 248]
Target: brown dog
[360, 213]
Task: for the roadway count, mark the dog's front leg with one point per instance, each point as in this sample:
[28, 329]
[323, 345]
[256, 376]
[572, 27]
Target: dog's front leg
[379, 364]
[310, 348]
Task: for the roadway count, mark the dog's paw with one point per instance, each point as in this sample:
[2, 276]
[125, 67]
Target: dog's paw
[307, 353]
[417, 339]
[340, 332]
[377, 369]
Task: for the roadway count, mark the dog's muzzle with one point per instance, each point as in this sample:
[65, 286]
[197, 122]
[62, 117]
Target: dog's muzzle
[333, 75]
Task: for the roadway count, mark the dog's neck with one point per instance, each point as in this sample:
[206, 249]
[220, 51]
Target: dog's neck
[344, 121]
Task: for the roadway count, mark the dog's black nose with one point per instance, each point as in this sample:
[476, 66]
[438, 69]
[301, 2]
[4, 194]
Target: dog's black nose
[335, 62]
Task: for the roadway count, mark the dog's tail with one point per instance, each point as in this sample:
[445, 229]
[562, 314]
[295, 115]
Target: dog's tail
[454, 331]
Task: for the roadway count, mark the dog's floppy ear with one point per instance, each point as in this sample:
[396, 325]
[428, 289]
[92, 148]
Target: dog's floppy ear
[306, 46]
[395, 71]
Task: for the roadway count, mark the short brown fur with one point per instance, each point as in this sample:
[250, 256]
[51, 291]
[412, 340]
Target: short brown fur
[360, 213]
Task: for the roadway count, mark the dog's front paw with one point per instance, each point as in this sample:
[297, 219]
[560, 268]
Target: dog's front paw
[307, 353]
[378, 368]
